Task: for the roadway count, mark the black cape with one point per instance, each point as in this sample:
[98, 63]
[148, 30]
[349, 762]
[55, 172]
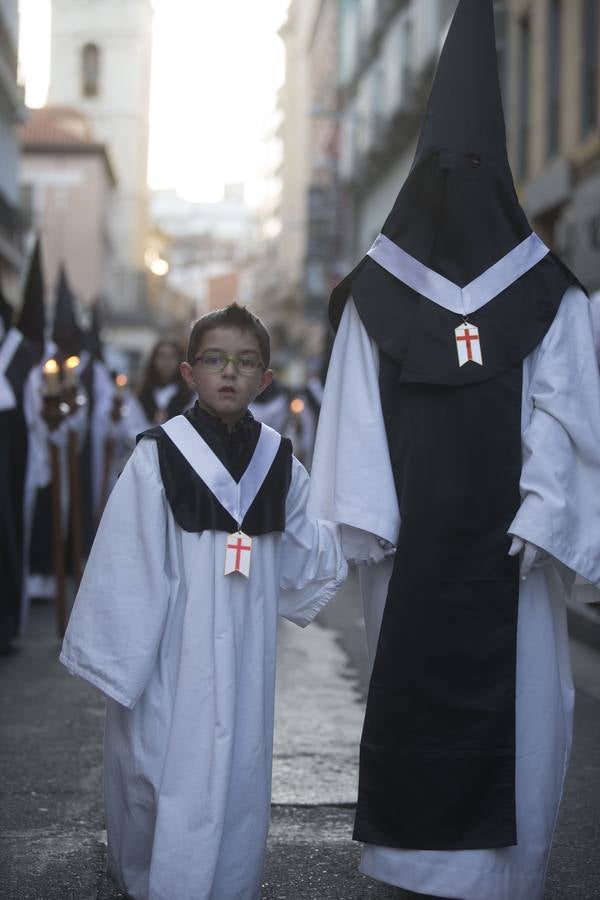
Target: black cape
[438, 747]
[13, 465]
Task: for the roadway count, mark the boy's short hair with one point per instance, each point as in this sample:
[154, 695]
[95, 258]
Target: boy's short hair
[232, 316]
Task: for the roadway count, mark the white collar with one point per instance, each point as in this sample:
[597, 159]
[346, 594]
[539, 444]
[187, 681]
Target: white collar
[235, 497]
[8, 348]
[440, 290]
[163, 395]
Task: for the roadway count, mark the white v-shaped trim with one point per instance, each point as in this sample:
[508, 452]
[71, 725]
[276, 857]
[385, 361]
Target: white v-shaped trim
[440, 290]
[235, 497]
[8, 348]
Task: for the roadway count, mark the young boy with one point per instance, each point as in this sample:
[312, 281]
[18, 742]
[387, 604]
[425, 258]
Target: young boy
[204, 540]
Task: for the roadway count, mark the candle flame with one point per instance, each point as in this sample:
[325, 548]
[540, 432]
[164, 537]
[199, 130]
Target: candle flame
[159, 267]
[297, 405]
[51, 367]
[72, 362]
[121, 381]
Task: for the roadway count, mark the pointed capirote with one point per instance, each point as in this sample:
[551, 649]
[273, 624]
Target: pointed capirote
[67, 333]
[465, 103]
[93, 337]
[31, 320]
[6, 314]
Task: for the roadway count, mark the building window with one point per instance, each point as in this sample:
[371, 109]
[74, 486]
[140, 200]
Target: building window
[553, 63]
[589, 70]
[524, 77]
[90, 70]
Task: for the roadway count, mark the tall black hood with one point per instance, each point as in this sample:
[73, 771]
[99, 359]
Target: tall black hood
[93, 337]
[6, 314]
[464, 112]
[458, 211]
[31, 321]
[66, 330]
[457, 215]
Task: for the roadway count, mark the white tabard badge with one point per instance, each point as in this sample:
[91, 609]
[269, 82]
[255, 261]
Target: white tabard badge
[238, 551]
[468, 344]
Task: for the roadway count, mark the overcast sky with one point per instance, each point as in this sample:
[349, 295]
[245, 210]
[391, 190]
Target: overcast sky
[216, 68]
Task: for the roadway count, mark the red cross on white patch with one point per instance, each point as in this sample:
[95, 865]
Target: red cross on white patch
[468, 344]
[238, 551]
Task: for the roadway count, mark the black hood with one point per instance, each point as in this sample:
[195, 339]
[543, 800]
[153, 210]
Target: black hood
[31, 321]
[458, 213]
[67, 333]
[93, 337]
[6, 312]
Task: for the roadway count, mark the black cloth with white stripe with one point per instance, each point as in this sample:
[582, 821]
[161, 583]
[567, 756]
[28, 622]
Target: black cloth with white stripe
[194, 506]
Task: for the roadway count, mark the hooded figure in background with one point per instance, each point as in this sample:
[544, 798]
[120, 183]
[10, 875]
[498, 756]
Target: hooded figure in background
[66, 340]
[461, 426]
[91, 422]
[95, 379]
[17, 361]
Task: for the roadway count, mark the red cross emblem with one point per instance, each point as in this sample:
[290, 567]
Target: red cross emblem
[468, 344]
[238, 552]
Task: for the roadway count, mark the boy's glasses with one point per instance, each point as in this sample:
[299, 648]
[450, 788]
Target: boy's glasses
[246, 364]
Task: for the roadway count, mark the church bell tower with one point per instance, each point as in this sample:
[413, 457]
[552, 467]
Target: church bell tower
[100, 65]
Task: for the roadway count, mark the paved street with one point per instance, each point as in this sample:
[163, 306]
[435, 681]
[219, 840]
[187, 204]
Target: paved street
[50, 773]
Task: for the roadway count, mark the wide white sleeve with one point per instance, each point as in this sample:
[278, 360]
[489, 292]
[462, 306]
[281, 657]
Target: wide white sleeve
[313, 566]
[99, 427]
[132, 422]
[560, 480]
[352, 479]
[595, 310]
[119, 614]
[39, 458]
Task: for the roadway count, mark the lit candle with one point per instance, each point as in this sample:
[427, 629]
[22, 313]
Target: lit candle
[121, 383]
[297, 405]
[51, 372]
[71, 371]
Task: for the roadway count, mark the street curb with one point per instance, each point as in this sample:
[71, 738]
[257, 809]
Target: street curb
[584, 622]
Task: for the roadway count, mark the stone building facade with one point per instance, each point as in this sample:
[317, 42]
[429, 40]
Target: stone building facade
[100, 66]
[553, 114]
[12, 113]
[67, 191]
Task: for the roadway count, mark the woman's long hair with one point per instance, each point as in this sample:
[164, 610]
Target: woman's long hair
[149, 381]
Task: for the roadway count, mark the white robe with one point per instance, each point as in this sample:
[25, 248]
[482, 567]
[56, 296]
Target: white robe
[187, 660]
[560, 487]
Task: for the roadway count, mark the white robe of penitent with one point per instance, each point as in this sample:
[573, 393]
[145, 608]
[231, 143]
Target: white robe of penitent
[186, 657]
[352, 484]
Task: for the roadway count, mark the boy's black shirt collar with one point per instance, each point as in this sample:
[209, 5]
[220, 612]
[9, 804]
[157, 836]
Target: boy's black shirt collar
[234, 448]
[194, 506]
[201, 418]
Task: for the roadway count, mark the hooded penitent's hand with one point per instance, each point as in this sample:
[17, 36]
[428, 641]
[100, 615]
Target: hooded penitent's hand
[362, 548]
[532, 556]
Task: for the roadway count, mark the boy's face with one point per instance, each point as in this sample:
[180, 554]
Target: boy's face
[226, 393]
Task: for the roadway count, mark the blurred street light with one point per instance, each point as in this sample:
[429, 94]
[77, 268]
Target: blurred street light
[157, 265]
